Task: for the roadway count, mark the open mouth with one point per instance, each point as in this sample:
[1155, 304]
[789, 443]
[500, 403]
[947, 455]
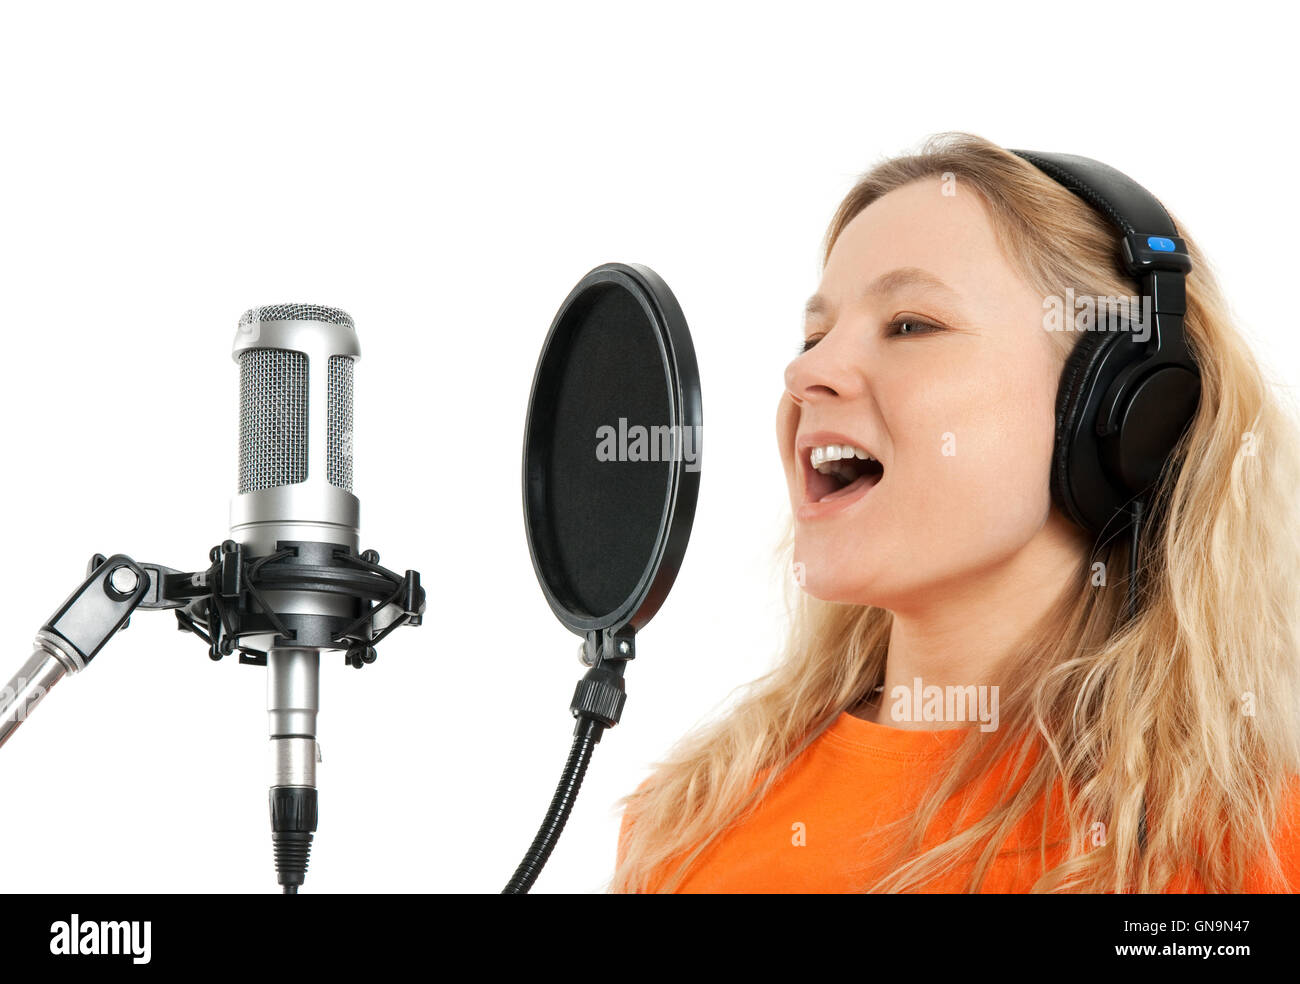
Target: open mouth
[839, 471]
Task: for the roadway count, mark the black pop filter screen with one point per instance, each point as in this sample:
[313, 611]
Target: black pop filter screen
[605, 454]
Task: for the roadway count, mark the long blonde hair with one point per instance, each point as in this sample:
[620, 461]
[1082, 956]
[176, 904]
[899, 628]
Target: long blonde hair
[1193, 707]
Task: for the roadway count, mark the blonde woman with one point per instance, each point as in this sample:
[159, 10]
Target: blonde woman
[1108, 754]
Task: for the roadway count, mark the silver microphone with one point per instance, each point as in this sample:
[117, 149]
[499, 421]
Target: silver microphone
[295, 485]
[290, 579]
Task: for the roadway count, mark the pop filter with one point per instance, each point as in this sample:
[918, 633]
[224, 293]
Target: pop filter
[611, 450]
[611, 473]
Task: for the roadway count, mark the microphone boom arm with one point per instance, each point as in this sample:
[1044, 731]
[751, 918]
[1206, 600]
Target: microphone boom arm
[94, 613]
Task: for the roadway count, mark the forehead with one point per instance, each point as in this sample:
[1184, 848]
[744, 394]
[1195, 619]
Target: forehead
[917, 227]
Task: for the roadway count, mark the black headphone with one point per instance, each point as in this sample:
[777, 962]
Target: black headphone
[1123, 404]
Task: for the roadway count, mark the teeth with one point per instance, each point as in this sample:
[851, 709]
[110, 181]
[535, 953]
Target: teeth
[822, 456]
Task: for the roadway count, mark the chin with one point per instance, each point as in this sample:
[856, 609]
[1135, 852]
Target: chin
[842, 579]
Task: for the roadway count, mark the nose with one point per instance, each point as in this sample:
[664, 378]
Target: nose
[824, 371]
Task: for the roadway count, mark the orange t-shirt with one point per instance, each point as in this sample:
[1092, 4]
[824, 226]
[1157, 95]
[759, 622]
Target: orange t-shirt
[805, 835]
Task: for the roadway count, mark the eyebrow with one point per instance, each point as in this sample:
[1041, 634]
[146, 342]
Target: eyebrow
[884, 285]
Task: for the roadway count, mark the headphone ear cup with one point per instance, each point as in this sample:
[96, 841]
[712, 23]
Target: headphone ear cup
[1094, 476]
[1158, 409]
[1081, 368]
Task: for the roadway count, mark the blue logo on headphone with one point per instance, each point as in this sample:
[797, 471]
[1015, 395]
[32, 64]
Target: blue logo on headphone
[1161, 244]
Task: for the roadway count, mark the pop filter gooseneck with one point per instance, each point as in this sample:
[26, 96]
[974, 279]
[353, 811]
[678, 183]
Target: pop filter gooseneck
[611, 474]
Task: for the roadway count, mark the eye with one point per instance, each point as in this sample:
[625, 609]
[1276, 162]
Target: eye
[899, 326]
[911, 326]
[807, 343]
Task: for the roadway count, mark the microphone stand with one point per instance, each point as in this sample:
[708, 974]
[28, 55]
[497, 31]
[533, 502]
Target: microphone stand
[92, 615]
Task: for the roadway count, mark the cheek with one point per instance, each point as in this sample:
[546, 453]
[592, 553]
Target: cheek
[978, 445]
[787, 426]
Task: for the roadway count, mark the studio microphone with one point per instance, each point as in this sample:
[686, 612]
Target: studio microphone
[296, 363]
[296, 522]
[289, 584]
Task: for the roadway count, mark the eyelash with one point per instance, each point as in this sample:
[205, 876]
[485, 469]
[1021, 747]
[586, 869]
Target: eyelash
[926, 328]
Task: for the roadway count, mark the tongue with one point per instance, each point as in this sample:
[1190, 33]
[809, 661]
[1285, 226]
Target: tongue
[853, 487]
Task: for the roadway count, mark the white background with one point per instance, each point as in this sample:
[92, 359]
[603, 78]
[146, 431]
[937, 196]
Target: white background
[446, 173]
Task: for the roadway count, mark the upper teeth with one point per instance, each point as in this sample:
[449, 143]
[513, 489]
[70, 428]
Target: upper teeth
[823, 455]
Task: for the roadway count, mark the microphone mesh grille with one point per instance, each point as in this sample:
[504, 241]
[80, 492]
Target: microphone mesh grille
[272, 419]
[338, 439]
[296, 312]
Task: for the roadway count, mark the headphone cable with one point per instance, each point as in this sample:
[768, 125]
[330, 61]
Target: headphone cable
[1136, 515]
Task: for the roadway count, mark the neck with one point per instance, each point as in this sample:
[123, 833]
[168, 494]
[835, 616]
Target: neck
[959, 635]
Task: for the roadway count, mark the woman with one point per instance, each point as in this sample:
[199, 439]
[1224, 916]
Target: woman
[916, 429]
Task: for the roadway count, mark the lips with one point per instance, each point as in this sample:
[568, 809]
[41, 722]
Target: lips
[854, 469]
